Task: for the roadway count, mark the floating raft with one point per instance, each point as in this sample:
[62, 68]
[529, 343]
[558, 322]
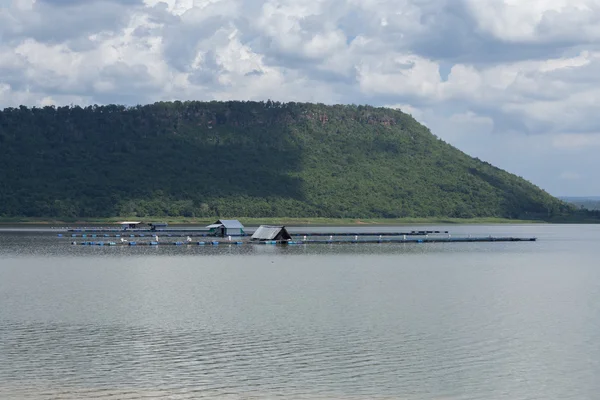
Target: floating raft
[185, 233]
[139, 230]
[296, 242]
[138, 235]
[411, 233]
[148, 231]
[431, 240]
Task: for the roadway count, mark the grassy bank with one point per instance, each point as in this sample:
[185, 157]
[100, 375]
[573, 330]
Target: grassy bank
[271, 221]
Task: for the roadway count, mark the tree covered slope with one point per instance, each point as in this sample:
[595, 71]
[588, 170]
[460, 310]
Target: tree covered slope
[590, 203]
[256, 159]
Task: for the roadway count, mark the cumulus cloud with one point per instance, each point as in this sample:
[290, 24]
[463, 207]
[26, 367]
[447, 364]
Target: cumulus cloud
[485, 75]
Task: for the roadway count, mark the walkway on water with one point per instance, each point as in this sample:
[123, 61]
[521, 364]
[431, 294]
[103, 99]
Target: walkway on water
[303, 242]
[201, 233]
[141, 235]
[134, 230]
[363, 233]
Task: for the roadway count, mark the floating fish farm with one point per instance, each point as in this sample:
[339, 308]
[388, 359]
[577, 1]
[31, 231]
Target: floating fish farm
[305, 242]
[268, 235]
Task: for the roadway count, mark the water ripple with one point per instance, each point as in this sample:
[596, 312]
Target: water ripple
[347, 322]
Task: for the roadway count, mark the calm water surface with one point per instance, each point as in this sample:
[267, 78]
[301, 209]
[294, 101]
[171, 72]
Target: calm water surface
[352, 321]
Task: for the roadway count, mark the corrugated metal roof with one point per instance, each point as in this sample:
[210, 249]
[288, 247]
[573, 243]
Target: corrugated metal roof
[270, 232]
[266, 232]
[214, 226]
[230, 223]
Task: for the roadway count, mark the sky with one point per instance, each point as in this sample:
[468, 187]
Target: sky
[512, 82]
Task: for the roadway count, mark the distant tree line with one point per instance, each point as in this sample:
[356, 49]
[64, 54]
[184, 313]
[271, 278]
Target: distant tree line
[592, 204]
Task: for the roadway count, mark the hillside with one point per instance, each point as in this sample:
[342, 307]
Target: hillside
[260, 159]
[589, 203]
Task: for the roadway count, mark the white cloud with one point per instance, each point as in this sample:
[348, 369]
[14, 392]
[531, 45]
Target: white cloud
[538, 20]
[506, 75]
[399, 74]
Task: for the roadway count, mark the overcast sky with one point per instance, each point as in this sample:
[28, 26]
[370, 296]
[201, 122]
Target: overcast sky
[513, 82]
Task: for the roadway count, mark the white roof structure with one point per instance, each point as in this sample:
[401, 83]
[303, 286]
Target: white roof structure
[227, 223]
[231, 223]
[130, 222]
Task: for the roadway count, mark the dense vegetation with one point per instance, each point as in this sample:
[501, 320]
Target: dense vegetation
[588, 203]
[260, 159]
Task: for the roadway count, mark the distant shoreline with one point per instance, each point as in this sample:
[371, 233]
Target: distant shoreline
[272, 221]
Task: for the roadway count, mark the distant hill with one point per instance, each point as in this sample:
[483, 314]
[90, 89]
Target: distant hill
[589, 203]
[260, 159]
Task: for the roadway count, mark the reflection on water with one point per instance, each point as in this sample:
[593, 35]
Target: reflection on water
[436, 321]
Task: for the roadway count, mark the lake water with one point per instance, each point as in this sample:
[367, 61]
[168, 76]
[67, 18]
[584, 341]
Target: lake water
[343, 321]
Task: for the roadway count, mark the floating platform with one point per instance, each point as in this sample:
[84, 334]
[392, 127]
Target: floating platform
[136, 230]
[306, 242]
[184, 233]
[410, 233]
[431, 240]
[140, 235]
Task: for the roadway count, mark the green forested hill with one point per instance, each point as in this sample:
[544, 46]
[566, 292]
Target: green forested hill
[260, 159]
